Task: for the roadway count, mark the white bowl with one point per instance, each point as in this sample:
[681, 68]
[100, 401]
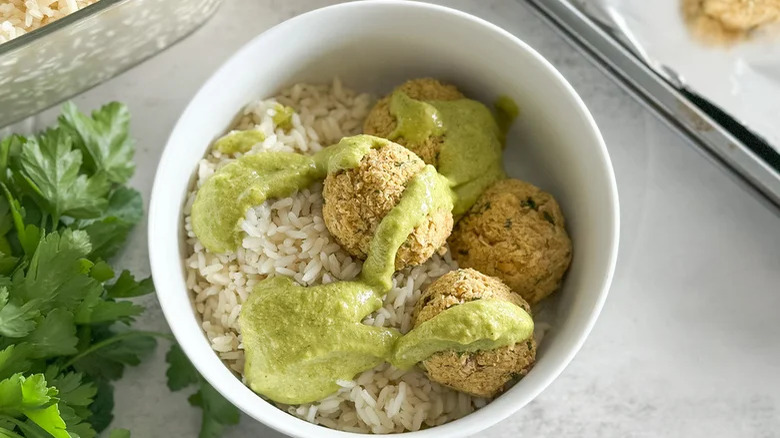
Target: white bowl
[373, 46]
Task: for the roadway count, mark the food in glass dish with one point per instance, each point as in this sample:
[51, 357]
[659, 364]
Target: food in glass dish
[18, 17]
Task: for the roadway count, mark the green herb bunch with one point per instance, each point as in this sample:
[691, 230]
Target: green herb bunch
[65, 334]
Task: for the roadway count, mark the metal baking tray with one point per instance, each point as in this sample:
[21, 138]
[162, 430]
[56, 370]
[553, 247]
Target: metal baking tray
[749, 159]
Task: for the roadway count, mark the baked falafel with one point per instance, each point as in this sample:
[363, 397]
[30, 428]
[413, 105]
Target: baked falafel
[483, 373]
[357, 199]
[516, 232]
[740, 15]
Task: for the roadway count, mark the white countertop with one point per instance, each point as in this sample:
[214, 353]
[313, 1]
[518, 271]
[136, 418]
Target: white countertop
[687, 344]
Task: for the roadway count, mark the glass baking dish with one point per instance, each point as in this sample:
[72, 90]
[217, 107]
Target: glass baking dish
[87, 47]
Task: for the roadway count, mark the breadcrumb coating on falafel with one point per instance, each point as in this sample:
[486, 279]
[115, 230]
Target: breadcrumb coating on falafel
[516, 232]
[357, 199]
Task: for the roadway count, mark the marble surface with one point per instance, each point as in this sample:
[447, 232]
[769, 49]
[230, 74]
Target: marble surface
[687, 344]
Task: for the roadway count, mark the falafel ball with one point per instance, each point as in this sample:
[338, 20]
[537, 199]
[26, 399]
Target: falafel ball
[381, 123]
[739, 15]
[483, 373]
[357, 199]
[516, 232]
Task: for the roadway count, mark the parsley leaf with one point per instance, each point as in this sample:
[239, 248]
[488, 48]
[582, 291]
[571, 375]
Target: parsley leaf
[104, 139]
[101, 271]
[19, 393]
[7, 263]
[14, 359]
[50, 169]
[75, 396]
[109, 235]
[125, 204]
[27, 235]
[72, 390]
[54, 336]
[127, 287]
[102, 406]
[33, 398]
[57, 274]
[49, 419]
[111, 352]
[16, 320]
[110, 311]
[217, 411]
[110, 231]
[180, 373]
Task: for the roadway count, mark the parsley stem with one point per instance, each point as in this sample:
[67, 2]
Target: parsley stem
[17, 217]
[113, 339]
[13, 420]
[10, 434]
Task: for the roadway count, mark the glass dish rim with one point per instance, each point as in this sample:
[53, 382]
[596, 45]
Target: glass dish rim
[43, 31]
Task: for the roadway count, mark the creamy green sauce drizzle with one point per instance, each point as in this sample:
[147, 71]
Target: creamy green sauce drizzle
[225, 197]
[472, 141]
[299, 341]
[477, 325]
[416, 120]
[239, 141]
[506, 113]
[426, 193]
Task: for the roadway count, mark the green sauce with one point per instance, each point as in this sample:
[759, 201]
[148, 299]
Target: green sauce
[223, 200]
[470, 154]
[468, 327]
[426, 192]
[239, 141]
[416, 120]
[299, 341]
[506, 113]
[225, 197]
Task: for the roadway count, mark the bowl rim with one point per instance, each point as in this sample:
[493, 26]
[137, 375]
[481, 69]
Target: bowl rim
[294, 426]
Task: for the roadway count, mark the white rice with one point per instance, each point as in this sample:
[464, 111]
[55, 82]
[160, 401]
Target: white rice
[18, 17]
[288, 237]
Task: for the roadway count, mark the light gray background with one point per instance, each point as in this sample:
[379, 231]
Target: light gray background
[687, 345]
